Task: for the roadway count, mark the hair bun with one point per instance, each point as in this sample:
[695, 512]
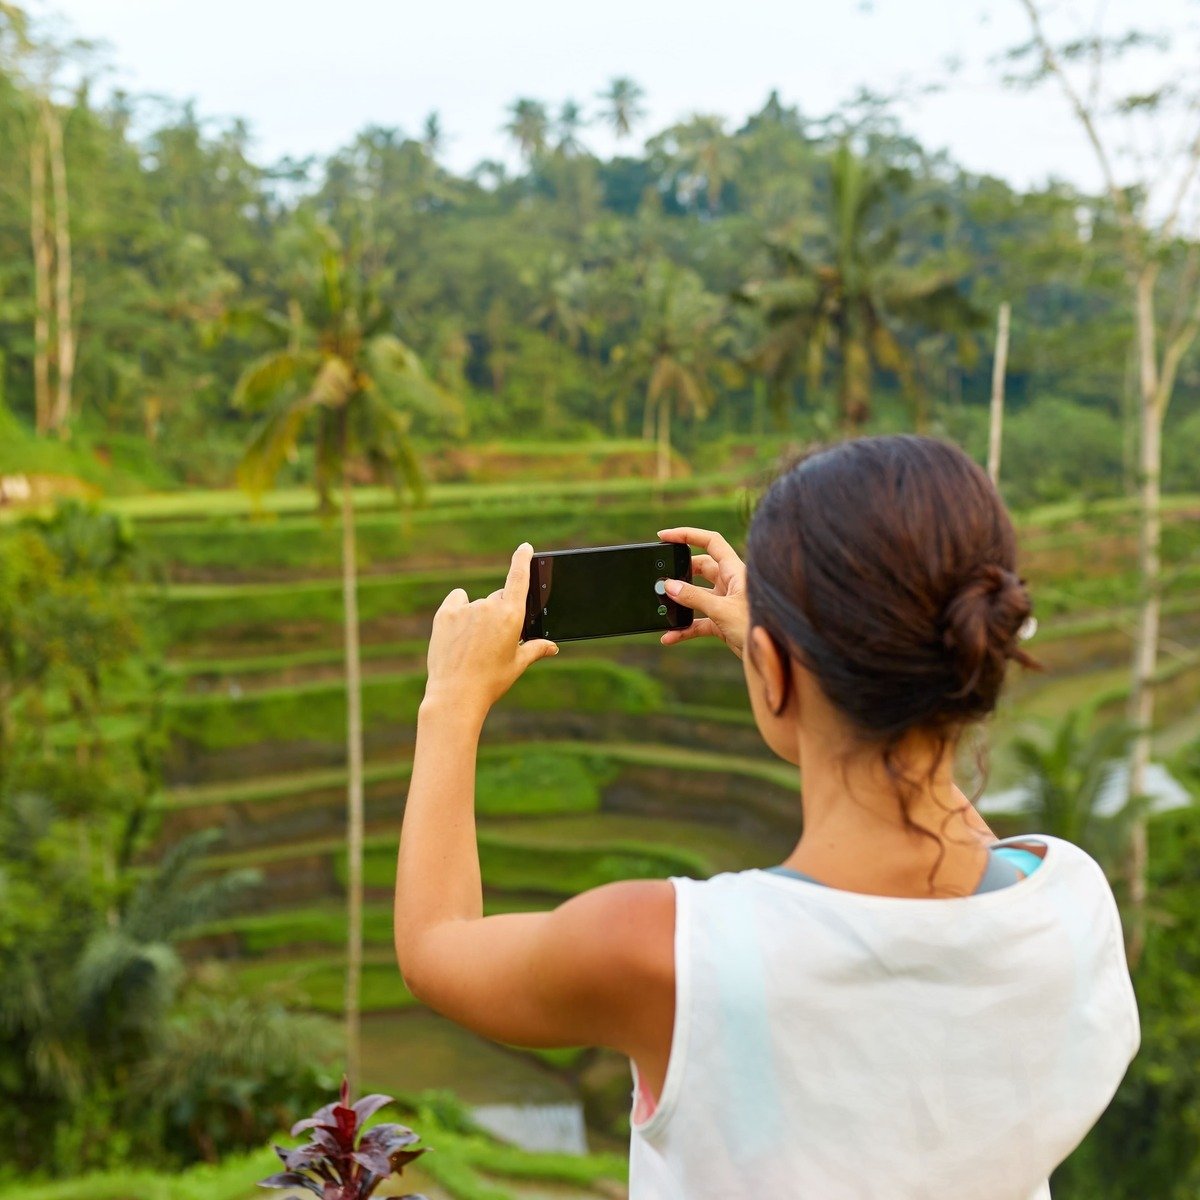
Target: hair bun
[982, 623]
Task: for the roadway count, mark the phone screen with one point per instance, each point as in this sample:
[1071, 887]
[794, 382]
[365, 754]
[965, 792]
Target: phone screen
[606, 591]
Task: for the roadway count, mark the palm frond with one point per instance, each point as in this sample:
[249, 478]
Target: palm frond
[169, 902]
[122, 982]
[400, 379]
[249, 321]
[334, 385]
[271, 378]
[389, 447]
[271, 445]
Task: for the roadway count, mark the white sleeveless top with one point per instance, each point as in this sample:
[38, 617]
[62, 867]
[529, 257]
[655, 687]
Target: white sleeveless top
[835, 1046]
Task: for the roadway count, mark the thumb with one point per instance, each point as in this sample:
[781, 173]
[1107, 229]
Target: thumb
[455, 599]
[530, 652]
[691, 596]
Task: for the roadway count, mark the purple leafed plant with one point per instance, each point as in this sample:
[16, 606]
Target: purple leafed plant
[340, 1162]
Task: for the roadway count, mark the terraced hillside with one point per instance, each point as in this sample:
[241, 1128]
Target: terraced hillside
[618, 759]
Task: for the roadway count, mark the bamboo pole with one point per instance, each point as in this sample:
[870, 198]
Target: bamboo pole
[354, 790]
[999, 368]
[64, 320]
[41, 278]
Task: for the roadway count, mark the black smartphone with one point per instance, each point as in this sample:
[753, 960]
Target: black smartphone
[606, 591]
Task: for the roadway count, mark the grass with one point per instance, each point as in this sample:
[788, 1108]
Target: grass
[468, 1164]
[465, 1170]
[290, 660]
[317, 711]
[215, 503]
[541, 765]
[325, 924]
[319, 983]
[532, 781]
[189, 610]
[232, 1179]
[488, 535]
[510, 863]
[718, 847]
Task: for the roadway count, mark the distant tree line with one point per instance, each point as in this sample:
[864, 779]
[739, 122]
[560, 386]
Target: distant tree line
[792, 273]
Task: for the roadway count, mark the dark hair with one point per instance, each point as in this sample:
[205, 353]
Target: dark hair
[887, 567]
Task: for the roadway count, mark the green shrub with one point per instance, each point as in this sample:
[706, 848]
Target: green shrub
[1147, 1143]
[538, 783]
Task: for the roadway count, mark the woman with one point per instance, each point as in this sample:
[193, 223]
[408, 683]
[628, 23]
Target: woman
[903, 1007]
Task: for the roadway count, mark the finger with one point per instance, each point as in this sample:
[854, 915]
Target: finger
[706, 539]
[495, 594]
[456, 599]
[702, 599]
[529, 652]
[701, 628]
[516, 586]
[706, 567]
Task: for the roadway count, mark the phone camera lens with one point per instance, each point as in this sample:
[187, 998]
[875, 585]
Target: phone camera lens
[661, 565]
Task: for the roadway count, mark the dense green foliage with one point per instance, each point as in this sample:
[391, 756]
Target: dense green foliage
[1148, 1141]
[105, 1051]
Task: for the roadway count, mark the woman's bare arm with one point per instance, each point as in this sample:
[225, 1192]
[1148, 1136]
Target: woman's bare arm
[599, 969]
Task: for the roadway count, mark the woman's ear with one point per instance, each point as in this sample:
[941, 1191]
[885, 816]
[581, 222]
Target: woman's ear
[770, 668]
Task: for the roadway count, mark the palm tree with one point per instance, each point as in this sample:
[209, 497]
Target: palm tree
[676, 350]
[353, 387]
[560, 305]
[851, 305]
[570, 122]
[529, 127]
[1066, 773]
[623, 105]
[86, 1000]
[701, 156]
[433, 136]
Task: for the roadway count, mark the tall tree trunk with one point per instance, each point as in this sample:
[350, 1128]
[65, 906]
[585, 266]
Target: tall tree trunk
[60, 418]
[1145, 649]
[999, 367]
[354, 791]
[1129, 425]
[664, 440]
[41, 279]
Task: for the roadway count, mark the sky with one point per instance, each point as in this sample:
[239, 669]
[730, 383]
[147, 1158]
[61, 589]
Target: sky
[307, 75]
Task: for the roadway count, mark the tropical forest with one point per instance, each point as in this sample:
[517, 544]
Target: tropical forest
[258, 417]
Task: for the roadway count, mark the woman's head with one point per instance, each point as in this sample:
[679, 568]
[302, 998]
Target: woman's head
[886, 568]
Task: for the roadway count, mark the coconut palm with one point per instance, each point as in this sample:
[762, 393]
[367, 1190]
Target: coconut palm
[675, 353]
[433, 136]
[851, 304]
[623, 108]
[570, 121]
[700, 156]
[349, 386]
[529, 127]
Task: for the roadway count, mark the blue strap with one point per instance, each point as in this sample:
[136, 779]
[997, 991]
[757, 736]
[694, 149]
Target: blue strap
[1005, 865]
[1023, 860]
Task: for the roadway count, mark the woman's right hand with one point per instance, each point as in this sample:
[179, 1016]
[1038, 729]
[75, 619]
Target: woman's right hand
[721, 611]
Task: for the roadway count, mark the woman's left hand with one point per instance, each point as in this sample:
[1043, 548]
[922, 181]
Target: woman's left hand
[475, 649]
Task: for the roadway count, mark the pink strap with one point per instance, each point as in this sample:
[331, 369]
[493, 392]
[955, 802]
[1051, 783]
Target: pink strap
[645, 1103]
